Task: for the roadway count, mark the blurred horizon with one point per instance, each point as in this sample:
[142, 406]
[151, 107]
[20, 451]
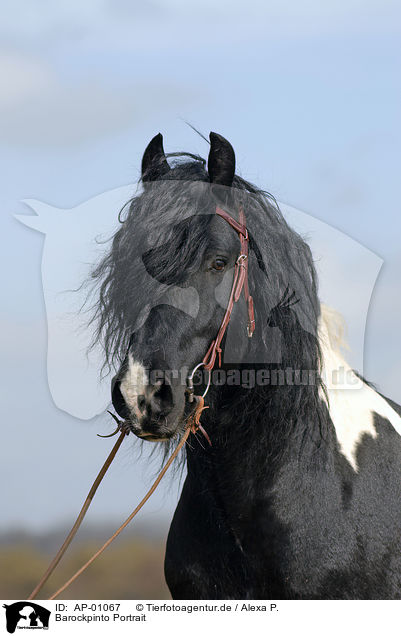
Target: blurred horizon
[131, 567]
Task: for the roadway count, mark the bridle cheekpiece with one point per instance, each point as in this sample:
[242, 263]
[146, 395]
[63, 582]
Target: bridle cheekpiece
[240, 282]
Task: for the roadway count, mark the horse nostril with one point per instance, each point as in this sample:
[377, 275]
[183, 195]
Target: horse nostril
[162, 399]
[141, 403]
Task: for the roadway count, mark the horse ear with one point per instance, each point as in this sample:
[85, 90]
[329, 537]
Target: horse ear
[154, 162]
[221, 162]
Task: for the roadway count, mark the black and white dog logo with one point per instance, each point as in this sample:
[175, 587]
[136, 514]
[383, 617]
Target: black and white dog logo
[26, 615]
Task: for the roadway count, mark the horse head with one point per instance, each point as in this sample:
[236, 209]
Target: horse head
[184, 249]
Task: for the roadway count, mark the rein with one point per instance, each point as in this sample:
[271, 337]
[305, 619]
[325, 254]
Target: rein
[193, 426]
[240, 282]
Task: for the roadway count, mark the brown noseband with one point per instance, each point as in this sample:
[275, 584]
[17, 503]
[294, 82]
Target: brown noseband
[240, 281]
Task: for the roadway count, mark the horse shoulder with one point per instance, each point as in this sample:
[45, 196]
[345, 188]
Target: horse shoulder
[356, 409]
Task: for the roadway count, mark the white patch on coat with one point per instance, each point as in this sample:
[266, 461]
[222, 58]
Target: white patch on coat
[133, 384]
[352, 404]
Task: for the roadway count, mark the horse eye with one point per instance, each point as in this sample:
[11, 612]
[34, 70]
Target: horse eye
[219, 264]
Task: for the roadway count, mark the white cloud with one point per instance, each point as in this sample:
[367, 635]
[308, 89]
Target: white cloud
[84, 70]
[20, 77]
[41, 107]
[132, 23]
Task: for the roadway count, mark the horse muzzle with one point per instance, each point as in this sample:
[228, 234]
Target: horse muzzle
[152, 411]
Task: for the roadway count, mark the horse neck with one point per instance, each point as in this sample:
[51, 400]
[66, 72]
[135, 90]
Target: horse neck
[253, 445]
[256, 431]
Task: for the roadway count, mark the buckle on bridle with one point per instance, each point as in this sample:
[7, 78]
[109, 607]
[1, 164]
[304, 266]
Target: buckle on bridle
[250, 328]
[190, 382]
[240, 260]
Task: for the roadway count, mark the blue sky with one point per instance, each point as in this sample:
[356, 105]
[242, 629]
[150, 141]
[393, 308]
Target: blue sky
[307, 92]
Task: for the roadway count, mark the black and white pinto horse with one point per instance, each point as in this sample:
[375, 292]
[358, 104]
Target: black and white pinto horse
[299, 494]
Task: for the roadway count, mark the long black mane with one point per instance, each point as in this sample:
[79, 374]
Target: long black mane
[165, 227]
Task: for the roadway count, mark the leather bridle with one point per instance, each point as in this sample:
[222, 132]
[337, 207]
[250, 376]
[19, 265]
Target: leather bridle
[240, 282]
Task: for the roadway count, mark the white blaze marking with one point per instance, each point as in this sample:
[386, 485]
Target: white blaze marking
[133, 384]
[352, 403]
